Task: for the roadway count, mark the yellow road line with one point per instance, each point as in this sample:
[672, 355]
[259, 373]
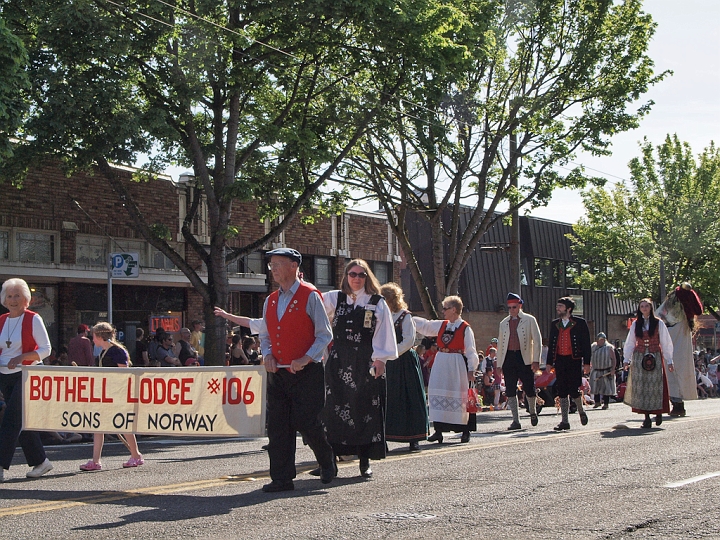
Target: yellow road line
[111, 496]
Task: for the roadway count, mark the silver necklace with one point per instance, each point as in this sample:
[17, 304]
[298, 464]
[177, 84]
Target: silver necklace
[9, 332]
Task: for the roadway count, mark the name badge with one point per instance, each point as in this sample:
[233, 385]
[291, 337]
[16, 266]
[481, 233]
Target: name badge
[367, 323]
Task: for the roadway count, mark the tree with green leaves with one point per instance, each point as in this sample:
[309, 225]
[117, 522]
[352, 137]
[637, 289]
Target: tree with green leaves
[663, 221]
[543, 80]
[262, 100]
[14, 81]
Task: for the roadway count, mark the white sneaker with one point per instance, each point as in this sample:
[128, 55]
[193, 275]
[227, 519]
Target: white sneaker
[41, 469]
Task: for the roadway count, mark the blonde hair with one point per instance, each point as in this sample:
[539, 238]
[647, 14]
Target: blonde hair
[106, 332]
[372, 285]
[394, 296]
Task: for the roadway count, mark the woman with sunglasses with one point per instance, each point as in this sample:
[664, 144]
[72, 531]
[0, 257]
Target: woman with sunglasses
[648, 349]
[452, 372]
[363, 341]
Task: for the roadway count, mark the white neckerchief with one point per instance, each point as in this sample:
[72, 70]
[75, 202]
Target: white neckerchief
[454, 325]
[362, 298]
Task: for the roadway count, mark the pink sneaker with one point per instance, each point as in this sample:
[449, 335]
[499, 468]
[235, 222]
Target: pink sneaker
[133, 462]
[91, 466]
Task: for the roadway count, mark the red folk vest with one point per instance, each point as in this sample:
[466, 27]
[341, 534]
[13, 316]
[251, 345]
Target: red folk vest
[457, 343]
[28, 341]
[651, 342]
[293, 335]
[564, 346]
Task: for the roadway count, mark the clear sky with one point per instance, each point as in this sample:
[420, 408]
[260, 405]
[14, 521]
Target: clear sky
[686, 41]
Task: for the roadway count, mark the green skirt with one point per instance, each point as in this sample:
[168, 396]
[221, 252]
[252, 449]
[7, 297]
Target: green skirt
[406, 411]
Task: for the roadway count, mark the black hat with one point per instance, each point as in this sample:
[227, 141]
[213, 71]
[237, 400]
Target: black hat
[290, 253]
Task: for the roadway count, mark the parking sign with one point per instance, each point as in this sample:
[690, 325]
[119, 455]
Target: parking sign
[125, 265]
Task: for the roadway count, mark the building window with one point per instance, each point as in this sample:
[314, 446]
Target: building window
[247, 264]
[131, 246]
[4, 245]
[323, 271]
[159, 260]
[543, 273]
[572, 275]
[36, 247]
[382, 271]
[91, 251]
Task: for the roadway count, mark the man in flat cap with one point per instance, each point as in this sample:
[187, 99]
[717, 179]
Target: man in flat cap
[602, 372]
[294, 333]
[519, 349]
[568, 351]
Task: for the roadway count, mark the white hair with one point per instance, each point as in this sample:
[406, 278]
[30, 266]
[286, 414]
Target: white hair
[14, 283]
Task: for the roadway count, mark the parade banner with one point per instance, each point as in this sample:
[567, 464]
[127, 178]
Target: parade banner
[197, 401]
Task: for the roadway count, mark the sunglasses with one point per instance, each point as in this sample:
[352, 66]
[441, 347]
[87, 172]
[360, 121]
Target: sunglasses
[361, 275]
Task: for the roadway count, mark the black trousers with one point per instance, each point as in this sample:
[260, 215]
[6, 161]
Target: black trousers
[514, 369]
[568, 373]
[10, 429]
[294, 404]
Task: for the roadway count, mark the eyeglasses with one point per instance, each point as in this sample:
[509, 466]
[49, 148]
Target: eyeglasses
[272, 265]
[361, 275]
[514, 306]
[444, 308]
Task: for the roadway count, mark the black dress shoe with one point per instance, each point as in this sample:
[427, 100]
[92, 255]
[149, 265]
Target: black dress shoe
[436, 437]
[515, 425]
[415, 446]
[465, 437]
[365, 470]
[647, 424]
[562, 426]
[583, 418]
[276, 485]
[317, 471]
[658, 419]
[328, 474]
[533, 419]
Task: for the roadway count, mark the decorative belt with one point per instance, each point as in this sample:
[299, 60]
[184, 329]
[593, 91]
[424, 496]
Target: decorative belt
[458, 351]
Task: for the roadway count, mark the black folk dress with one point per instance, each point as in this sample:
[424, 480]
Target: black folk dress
[354, 413]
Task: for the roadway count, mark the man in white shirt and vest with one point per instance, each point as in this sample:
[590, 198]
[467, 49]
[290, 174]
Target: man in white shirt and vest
[294, 333]
[519, 349]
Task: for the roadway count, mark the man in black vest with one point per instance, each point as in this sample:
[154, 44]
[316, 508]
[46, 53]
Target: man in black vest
[569, 349]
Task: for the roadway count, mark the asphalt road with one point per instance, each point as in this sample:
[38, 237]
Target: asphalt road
[607, 480]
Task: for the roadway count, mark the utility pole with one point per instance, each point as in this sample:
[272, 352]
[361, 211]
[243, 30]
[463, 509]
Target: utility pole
[515, 284]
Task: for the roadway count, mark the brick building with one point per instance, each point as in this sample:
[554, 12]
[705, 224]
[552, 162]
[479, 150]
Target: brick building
[57, 232]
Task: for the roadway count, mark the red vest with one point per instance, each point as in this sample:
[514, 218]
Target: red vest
[564, 346]
[457, 343]
[28, 341]
[293, 335]
[651, 342]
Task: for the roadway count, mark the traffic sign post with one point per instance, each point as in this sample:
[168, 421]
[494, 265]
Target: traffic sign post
[121, 266]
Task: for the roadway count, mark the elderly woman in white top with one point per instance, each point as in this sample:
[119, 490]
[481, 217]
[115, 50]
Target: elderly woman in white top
[453, 370]
[648, 349]
[363, 341]
[23, 341]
